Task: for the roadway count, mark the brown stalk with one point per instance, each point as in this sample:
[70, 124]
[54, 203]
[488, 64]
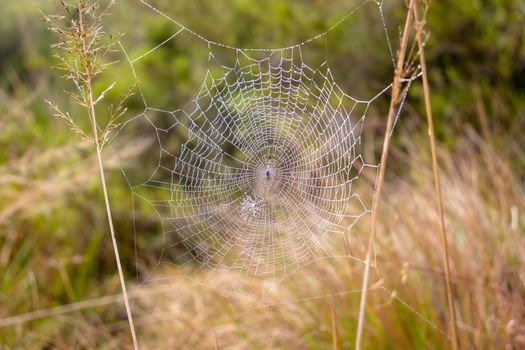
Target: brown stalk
[335, 336]
[394, 101]
[437, 183]
[93, 120]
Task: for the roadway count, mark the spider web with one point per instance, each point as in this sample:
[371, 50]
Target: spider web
[258, 169]
[255, 176]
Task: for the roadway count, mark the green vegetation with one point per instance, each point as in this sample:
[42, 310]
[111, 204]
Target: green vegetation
[55, 247]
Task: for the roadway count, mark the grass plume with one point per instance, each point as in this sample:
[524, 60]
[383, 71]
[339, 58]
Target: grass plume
[83, 55]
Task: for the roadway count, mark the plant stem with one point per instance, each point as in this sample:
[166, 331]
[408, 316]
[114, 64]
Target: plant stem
[335, 336]
[437, 182]
[396, 86]
[93, 120]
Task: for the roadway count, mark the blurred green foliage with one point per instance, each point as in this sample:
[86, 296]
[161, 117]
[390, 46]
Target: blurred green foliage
[476, 49]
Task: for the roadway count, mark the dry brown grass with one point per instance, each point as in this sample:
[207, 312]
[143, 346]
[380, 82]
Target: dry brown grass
[38, 180]
[409, 308]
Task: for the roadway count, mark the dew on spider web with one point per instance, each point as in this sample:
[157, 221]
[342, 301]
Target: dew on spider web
[256, 175]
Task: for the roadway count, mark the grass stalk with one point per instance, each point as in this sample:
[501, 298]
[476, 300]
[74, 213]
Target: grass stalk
[335, 335]
[437, 182]
[394, 102]
[93, 121]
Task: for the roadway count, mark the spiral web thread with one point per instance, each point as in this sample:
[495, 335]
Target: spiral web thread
[256, 173]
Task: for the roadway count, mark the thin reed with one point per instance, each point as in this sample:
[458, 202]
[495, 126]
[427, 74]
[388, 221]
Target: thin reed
[83, 57]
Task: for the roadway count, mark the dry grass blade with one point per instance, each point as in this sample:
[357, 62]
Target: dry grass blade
[82, 305]
[396, 87]
[437, 182]
[335, 336]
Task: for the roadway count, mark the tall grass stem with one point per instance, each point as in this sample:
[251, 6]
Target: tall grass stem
[394, 102]
[437, 182]
[93, 120]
